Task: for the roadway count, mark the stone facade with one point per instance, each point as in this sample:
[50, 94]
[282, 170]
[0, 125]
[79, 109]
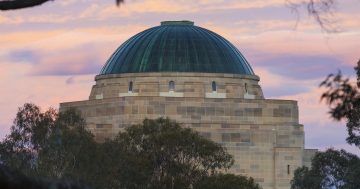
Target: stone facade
[263, 135]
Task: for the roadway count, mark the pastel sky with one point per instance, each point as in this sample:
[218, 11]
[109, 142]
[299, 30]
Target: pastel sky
[51, 53]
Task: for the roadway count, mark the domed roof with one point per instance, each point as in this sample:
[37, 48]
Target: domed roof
[177, 46]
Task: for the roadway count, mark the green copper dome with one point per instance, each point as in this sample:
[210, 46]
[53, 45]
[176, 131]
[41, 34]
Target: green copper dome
[177, 46]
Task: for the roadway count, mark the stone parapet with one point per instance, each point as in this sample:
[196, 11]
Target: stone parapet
[189, 84]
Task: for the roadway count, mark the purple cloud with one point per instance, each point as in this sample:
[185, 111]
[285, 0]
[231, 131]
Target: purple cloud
[332, 135]
[278, 91]
[304, 67]
[70, 80]
[84, 59]
[23, 55]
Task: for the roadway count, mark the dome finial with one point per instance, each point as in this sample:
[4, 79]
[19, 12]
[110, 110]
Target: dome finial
[180, 22]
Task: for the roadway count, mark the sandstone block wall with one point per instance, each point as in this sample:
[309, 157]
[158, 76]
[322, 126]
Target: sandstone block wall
[264, 136]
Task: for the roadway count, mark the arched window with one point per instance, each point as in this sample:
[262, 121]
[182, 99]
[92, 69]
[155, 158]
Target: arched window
[130, 87]
[213, 86]
[246, 88]
[171, 86]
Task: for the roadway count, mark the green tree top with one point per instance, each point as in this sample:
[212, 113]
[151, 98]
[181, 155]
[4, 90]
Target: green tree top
[332, 169]
[155, 154]
[175, 156]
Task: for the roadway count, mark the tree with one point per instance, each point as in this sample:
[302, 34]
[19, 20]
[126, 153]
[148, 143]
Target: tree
[69, 150]
[336, 169]
[10, 179]
[330, 169]
[226, 181]
[171, 156]
[344, 100]
[155, 154]
[48, 144]
[28, 136]
[305, 179]
[320, 10]
[119, 167]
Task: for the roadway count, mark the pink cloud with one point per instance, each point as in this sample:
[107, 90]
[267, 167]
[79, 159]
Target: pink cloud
[44, 91]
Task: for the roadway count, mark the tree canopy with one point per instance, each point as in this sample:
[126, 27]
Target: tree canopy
[343, 97]
[226, 181]
[331, 169]
[49, 144]
[175, 157]
[155, 154]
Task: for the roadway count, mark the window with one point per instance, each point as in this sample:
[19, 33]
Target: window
[288, 169]
[246, 88]
[213, 86]
[171, 86]
[130, 87]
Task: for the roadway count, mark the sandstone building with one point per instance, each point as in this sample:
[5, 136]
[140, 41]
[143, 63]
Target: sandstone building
[199, 79]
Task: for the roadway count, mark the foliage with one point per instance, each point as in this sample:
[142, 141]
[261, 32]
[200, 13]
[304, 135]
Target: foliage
[28, 136]
[172, 156]
[305, 179]
[69, 149]
[119, 167]
[344, 101]
[10, 179]
[336, 169]
[226, 181]
[156, 154]
[49, 144]
[330, 169]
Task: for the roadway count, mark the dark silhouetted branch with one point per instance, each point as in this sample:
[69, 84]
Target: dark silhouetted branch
[118, 2]
[322, 11]
[19, 4]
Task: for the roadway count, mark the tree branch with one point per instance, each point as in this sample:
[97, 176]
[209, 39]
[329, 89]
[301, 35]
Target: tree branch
[19, 4]
[322, 11]
[118, 2]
